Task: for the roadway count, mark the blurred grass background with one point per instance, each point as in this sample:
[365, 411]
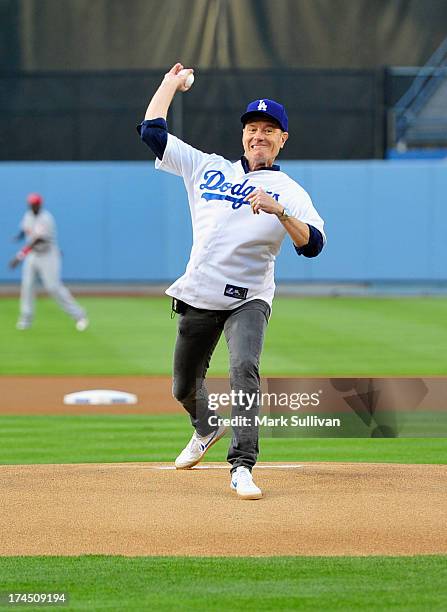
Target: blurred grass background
[340, 336]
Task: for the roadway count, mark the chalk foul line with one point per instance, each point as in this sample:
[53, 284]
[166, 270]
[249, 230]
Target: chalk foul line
[227, 467]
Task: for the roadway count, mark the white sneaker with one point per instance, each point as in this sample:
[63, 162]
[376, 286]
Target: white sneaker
[23, 325]
[242, 483]
[197, 447]
[82, 324]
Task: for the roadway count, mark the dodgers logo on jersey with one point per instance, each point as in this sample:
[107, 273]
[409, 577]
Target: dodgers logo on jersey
[215, 182]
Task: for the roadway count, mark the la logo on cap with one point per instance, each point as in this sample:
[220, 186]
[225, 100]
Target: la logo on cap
[262, 105]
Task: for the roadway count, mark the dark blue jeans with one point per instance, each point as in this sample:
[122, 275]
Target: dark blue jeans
[198, 333]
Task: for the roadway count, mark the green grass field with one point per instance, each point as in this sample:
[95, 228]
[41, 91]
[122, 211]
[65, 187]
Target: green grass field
[278, 583]
[97, 439]
[306, 337]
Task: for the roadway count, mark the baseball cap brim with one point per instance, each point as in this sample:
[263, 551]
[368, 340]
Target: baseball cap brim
[262, 116]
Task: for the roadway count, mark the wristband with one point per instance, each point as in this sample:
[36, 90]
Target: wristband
[23, 253]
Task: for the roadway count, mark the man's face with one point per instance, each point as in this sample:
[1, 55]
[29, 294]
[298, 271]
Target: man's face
[262, 141]
[35, 208]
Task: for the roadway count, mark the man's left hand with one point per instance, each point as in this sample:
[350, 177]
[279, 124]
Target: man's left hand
[259, 200]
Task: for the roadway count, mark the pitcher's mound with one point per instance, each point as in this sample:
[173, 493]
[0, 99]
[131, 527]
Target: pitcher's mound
[140, 509]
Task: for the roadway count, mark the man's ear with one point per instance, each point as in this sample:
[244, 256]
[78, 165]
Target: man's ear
[284, 136]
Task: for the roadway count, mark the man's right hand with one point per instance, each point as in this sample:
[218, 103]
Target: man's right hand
[173, 76]
[14, 263]
[162, 98]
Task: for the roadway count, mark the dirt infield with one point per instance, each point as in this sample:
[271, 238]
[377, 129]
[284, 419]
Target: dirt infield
[140, 509]
[44, 394]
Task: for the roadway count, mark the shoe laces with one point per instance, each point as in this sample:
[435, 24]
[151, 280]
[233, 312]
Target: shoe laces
[194, 444]
[244, 476]
[197, 441]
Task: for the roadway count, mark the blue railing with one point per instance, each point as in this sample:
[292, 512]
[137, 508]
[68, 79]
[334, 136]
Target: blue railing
[427, 80]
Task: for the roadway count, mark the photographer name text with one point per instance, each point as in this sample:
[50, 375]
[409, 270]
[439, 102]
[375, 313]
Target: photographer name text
[309, 420]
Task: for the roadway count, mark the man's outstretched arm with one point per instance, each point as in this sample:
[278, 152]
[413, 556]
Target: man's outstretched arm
[162, 98]
[153, 130]
[20, 255]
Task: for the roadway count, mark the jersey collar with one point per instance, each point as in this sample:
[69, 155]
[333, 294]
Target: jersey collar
[244, 163]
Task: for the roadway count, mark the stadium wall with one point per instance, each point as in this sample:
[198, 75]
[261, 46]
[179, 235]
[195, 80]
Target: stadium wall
[126, 222]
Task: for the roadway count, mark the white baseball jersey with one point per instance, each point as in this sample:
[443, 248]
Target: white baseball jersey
[40, 226]
[233, 253]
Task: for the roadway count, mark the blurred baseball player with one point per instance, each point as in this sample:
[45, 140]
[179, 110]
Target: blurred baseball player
[241, 211]
[41, 258]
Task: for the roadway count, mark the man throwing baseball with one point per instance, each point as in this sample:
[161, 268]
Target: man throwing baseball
[241, 212]
[41, 258]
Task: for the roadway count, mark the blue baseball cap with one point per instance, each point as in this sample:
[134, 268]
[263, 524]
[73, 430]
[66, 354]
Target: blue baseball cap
[270, 109]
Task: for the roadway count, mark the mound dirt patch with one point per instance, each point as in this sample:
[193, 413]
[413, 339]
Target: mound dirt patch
[139, 509]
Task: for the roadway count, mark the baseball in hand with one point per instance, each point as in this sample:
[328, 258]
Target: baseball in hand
[189, 80]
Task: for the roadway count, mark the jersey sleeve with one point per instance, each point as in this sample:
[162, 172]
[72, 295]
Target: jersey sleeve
[315, 244]
[154, 132]
[181, 159]
[303, 209]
